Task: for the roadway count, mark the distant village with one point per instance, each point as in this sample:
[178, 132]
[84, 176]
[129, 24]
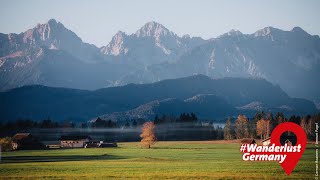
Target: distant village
[26, 141]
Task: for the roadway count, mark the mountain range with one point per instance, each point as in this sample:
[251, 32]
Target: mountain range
[51, 55]
[290, 59]
[213, 99]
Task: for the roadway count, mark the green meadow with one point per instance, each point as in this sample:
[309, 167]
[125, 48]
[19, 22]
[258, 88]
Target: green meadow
[166, 160]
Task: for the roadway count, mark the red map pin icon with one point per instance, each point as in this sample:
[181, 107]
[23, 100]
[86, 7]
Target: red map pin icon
[292, 157]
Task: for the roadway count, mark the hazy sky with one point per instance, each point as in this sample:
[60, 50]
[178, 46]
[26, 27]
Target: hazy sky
[97, 21]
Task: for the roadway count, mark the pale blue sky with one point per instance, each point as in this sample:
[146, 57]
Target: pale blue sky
[97, 21]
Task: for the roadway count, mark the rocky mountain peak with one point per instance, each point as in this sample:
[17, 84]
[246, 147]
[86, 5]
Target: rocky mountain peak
[232, 33]
[153, 29]
[116, 46]
[299, 30]
[266, 31]
[119, 36]
[162, 38]
[44, 32]
[52, 22]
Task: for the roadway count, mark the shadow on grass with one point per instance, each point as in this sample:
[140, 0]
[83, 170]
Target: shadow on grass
[191, 148]
[62, 158]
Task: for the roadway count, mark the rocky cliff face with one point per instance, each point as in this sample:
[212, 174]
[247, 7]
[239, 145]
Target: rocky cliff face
[151, 44]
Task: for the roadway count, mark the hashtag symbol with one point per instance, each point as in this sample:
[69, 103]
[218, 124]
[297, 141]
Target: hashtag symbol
[243, 147]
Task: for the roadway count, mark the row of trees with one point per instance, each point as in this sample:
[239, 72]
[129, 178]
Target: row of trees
[262, 125]
[99, 123]
[185, 126]
[183, 118]
[25, 124]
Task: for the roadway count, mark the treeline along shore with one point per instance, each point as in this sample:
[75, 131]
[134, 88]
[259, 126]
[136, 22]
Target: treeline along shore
[187, 126]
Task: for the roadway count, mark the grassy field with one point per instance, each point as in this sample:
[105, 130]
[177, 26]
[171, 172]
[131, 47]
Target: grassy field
[173, 160]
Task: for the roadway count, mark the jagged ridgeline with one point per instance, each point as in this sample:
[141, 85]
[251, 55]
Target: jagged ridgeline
[50, 54]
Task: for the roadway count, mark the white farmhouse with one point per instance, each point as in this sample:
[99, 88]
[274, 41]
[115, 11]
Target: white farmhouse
[74, 141]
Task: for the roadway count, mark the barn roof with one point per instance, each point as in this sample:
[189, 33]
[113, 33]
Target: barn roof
[266, 139]
[248, 141]
[20, 136]
[73, 137]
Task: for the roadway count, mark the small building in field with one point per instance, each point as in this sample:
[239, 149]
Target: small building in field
[248, 141]
[25, 141]
[99, 144]
[74, 141]
[93, 144]
[266, 142]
